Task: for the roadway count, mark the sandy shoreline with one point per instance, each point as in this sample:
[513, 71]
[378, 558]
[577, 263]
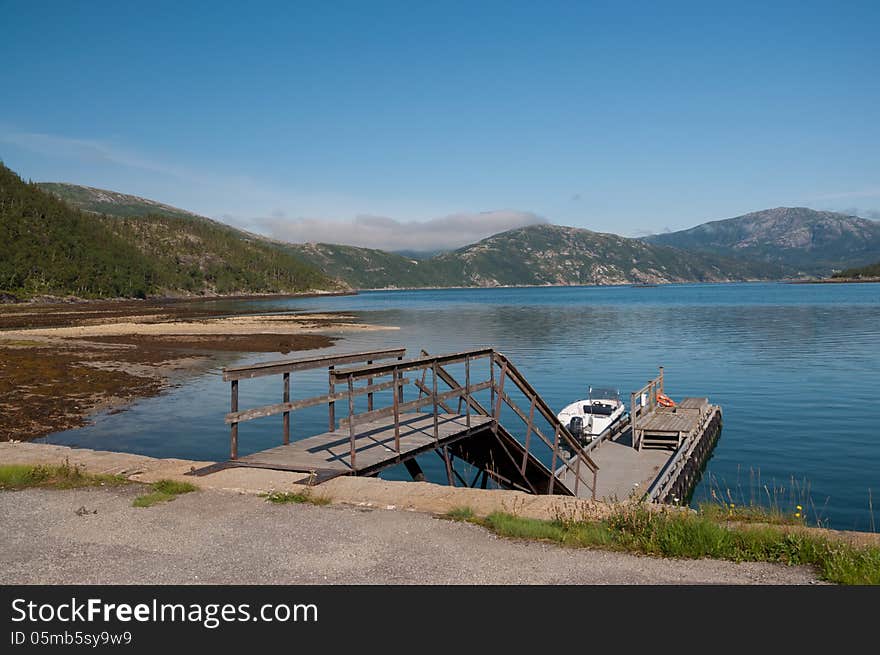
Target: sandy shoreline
[61, 364]
[232, 325]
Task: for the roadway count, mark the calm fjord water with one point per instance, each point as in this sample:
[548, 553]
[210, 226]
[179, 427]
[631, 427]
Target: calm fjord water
[796, 369]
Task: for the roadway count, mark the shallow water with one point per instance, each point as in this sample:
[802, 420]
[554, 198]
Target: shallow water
[796, 369]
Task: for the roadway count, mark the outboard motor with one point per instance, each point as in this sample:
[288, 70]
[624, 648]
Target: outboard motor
[576, 427]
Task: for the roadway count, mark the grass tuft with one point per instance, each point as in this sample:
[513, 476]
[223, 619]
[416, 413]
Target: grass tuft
[163, 491]
[460, 514]
[173, 487]
[286, 497]
[63, 476]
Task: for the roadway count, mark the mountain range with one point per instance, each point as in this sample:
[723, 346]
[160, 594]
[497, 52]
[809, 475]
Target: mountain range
[801, 241]
[132, 246]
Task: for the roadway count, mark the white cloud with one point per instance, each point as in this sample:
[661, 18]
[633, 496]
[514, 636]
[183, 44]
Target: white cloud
[442, 233]
[236, 198]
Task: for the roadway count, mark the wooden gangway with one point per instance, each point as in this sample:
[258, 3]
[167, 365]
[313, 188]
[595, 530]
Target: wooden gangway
[462, 420]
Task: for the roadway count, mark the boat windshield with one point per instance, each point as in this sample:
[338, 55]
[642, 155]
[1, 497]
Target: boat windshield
[606, 393]
[598, 408]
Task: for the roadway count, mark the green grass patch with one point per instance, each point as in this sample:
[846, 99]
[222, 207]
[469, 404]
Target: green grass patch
[163, 491]
[460, 514]
[286, 497]
[63, 476]
[687, 535]
[753, 514]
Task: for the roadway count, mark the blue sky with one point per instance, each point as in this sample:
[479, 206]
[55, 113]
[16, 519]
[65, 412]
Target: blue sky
[328, 119]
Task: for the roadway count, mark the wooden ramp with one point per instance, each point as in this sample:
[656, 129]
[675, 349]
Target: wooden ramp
[330, 453]
[456, 420]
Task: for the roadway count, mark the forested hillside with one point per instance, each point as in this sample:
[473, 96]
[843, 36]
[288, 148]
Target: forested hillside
[46, 247]
[51, 248]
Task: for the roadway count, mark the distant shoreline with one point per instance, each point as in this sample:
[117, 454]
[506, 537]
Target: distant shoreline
[70, 300]
[839, 280]
[65, 300]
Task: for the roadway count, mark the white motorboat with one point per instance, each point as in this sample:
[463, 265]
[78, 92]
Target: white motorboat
[588, 418]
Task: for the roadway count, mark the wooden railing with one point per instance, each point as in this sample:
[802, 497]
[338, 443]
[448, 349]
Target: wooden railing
[561, 436]
[434, 398]
[285, 368]
[647, 401]
[369, 367]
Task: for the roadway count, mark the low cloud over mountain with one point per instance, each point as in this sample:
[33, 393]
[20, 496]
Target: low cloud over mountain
[442, 233]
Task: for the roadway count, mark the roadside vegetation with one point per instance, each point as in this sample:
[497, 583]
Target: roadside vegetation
[163, 491]
[694, 535]
[63, 476]
[287, 497]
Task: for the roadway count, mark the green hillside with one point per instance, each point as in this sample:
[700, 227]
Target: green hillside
[800, 240]
[48, 248]
[51, 248]
[101, 201]
[365, 268]
[861, 273]
[202, 257]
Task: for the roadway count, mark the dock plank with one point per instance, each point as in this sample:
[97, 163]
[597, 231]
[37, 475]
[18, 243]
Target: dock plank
[374, 444]
[670, 419]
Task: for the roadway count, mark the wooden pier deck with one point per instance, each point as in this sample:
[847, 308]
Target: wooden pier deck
[329, 454]
[625, 471]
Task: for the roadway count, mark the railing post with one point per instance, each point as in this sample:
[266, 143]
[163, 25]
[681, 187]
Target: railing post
[492, 379]
[423, 380]
[233, 437]
[286, 414]
[436, 410]
[529, 429]
[632, 420]
[448, 459]
[467, 389]
[331, 406]
[577, 474]
[594, 484]
[369, 395]
[396, 378]
[351, 419]
[499, 396]
[400, 388]
[552, 486]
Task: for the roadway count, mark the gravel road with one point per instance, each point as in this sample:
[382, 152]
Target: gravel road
[220, 537]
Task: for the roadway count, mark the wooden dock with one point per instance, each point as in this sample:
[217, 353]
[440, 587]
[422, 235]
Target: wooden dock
[658, 452]
[655, 454]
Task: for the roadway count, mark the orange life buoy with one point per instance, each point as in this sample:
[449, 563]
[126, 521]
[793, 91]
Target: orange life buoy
[664, 400]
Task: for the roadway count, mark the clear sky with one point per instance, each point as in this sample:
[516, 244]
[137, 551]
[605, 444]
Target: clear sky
[337, 119]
